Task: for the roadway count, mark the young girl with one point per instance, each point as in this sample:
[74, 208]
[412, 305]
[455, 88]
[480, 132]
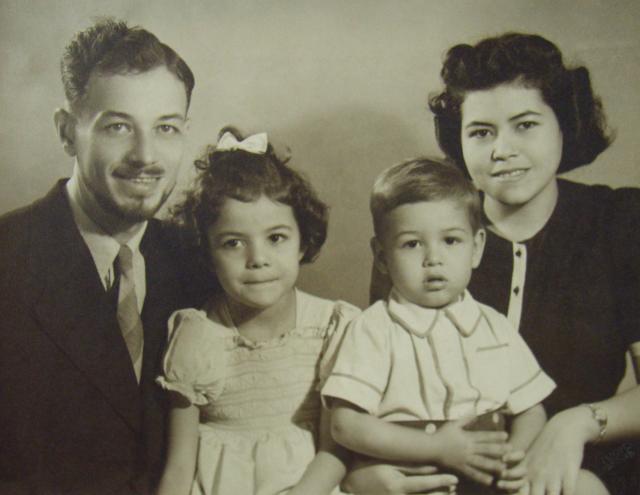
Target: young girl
[415, 369]
[561, 258]
[243, 371]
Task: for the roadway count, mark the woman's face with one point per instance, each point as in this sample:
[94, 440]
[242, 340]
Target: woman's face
[511, 143]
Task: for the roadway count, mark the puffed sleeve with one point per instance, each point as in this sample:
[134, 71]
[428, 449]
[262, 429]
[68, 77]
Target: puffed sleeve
[194, 361]
[343, 313]
[361, 369]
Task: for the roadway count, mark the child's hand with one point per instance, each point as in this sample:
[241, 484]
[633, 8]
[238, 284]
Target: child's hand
[476, 454]
[513, 478]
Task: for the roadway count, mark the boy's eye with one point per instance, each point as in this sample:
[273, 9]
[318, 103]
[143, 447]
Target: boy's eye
[411, 244]
[451, 241]
[277, 238]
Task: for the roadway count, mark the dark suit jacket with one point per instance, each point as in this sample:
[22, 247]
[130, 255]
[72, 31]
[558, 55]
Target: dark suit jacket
[72, 416]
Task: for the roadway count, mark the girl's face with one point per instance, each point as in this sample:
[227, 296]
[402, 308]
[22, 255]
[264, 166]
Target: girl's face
[511, 143]
[255, 251]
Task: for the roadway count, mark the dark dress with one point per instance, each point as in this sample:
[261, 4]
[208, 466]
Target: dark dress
[580, 304]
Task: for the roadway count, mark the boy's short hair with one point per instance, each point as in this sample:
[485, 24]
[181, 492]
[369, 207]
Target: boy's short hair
[423, 179]
[112, 47]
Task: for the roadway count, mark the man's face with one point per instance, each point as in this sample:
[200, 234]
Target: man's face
[128, 137]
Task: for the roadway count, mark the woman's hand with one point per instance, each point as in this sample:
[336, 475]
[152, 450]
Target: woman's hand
[476, 454]
[372, 478]
[553, 460]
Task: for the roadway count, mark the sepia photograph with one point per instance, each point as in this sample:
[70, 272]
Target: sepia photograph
[320, 247]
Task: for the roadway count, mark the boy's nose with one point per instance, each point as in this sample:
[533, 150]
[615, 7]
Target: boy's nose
[432, 257]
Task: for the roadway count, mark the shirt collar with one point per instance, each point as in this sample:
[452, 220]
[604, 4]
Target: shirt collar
[104, 248]
[464, 314]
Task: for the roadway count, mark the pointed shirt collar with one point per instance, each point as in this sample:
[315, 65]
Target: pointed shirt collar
[464, 314]
[104, 248]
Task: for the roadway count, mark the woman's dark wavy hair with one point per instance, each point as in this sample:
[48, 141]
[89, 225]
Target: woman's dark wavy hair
[246, 176]
[534, 62]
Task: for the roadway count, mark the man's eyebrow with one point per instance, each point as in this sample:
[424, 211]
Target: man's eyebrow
[172, 116]
[124, 115]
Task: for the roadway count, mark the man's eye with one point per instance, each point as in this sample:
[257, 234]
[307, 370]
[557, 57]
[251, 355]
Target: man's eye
[168, 129]
[118, 128]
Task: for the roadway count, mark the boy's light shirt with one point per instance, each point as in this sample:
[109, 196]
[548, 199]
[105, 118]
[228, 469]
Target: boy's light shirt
[403, 362]
[104, 248]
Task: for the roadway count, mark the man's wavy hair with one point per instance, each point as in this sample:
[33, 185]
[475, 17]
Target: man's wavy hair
[533, 62]
[112, 47]
[245, 176]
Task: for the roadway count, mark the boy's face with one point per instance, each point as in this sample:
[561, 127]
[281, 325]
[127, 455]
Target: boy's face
[128, 137]
[429, 249]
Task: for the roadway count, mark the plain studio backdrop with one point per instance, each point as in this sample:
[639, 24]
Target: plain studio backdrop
[343, 83]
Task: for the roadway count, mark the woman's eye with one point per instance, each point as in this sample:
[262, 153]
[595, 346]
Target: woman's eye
[527, 124]
[277, 238]
[479, 133]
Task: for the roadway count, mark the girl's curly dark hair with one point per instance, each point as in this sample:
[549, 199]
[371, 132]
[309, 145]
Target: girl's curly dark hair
[534, 62]
[246, 176]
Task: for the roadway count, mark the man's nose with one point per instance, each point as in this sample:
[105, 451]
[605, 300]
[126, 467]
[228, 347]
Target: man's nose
[142, 151]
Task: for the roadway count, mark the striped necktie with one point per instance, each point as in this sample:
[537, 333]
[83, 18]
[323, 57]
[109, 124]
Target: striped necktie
[127, 312]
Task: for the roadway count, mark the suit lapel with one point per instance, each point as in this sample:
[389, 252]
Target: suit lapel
[75, 311]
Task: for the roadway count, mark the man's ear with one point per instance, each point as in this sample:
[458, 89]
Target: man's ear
[479, 240]
[378, 256]
[65, 125]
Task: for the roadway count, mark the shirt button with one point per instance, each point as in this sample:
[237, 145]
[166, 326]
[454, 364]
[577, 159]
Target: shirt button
[518, 253]
[516, 290]
[430, 428]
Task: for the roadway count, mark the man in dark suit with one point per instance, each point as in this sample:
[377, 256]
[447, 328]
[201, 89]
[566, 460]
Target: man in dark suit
[82, 318]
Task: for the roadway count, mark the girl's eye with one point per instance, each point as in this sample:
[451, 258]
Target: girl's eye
[231, 243]
[277, 238]
[479, 133]
[412, 244]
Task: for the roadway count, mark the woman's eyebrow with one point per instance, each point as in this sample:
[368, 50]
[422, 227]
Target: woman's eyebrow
[526, 113]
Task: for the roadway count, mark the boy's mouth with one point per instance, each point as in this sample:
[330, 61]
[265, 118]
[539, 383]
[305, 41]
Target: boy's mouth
[435, 283]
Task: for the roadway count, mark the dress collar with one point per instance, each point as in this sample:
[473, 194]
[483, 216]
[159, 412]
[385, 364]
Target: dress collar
[464, 314]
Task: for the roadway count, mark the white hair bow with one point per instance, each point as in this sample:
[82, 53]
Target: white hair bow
[256, 143]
